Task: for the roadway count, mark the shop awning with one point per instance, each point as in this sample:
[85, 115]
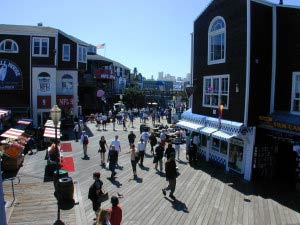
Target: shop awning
[25, 121]
[12, 133]
[222, 135]
[207, 130]
[189, 125]
[4, 113]
[50, 132]
[49, 123]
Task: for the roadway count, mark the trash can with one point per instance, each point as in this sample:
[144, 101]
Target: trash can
[65, 189]
[61, 174]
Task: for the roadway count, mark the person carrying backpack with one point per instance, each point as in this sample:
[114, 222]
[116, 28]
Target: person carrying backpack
[85, 141]
[95, 191]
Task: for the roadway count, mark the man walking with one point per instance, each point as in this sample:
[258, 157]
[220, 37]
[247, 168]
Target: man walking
[95, 191]
[141, 151]
[171, 174]
[85, 141]
[131, 138]
[112, 158]
[117, 146]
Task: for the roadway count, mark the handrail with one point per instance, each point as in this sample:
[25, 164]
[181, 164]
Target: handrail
[12, 187]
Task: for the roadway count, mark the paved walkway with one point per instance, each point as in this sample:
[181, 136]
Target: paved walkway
[205, 194]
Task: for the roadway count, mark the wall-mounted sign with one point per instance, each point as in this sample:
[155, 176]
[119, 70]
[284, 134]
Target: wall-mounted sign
[105, 74]
[10, 75]
[64, 101]
[44, 84]
[270, 122]
[44, 102]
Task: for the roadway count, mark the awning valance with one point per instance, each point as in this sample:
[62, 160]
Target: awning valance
[50, 132]
[222, 135]
[12, 133]
[208, 130]
[49, 123]
[189, 126]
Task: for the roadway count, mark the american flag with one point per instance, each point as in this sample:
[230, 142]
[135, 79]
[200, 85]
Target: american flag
[100, 46]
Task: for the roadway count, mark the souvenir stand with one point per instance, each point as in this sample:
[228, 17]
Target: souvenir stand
[49, 132]
[12, 148]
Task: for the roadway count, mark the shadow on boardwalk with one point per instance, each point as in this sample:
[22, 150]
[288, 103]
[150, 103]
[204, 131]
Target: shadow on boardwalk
[277, 191]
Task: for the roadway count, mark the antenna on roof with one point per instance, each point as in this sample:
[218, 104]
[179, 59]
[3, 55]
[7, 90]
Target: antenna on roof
[280, 2]
[40, 24]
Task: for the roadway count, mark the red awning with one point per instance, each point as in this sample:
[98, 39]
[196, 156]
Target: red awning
[12, 133]
[24, 122]
[49, 123]
[50, 132]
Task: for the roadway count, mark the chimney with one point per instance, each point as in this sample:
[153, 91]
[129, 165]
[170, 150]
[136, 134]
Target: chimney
[280, 2]
[40, 24]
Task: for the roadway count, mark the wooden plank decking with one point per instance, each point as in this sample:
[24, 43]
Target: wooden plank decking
[205, 194]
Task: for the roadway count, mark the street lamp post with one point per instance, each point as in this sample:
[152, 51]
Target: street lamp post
[55, 116]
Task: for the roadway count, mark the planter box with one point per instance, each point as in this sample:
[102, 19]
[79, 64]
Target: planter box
[10, 164]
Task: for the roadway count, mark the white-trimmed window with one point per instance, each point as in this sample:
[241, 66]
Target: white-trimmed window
[67, 84]
[44, 81]
[82, 54]
[40, 47]
[219, 146]
[216, 91]
[66, 52]
[9, 46]
[295, 103]
[216, 41]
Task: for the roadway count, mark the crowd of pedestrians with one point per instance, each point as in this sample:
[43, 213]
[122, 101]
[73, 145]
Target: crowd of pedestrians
[162, 151]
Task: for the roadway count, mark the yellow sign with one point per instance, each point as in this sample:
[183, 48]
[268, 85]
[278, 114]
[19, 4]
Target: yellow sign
[265, 118]
[287, 126]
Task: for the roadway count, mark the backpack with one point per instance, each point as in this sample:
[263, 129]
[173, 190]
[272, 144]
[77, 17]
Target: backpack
[85, 140]
[92, 192]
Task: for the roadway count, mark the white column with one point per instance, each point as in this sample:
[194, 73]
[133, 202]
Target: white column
[209, 141]
[248, 154]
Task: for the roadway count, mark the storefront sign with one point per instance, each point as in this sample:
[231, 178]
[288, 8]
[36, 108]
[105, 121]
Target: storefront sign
[10, 76]
[270, 122]
[286, 126]
[104, 74]
[64, 101]
[44, 102]
[44, 84]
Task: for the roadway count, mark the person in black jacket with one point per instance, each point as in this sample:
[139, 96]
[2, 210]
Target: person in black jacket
[171, 174]
[112, 158]
[95, 192]
[159, 154]
[170, 150]
[131, 138]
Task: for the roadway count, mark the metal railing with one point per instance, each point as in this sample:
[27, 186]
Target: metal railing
[12, 187]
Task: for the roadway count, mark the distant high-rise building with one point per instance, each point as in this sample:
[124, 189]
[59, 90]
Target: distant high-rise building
[160, 76]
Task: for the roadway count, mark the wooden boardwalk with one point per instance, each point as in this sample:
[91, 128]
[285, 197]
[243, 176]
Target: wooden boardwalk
[205, 194]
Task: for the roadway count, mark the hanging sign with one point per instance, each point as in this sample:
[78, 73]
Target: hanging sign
[10, 76]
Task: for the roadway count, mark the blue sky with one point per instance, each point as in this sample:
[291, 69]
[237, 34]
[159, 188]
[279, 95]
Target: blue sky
[150, 35]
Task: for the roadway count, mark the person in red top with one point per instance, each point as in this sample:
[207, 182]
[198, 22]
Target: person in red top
[115, 211]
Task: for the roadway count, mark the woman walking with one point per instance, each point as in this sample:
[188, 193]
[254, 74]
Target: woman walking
[133, 157]
[102, 150]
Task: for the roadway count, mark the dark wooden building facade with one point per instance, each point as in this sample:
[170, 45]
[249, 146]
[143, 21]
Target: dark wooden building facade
[246, 77]
[40, 68]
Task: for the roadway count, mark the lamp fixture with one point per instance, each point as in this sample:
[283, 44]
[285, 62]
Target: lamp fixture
[237, 89]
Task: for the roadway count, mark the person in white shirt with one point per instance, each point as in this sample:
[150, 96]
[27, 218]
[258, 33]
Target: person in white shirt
[141, 151]
[145, 136]
[117, 145]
